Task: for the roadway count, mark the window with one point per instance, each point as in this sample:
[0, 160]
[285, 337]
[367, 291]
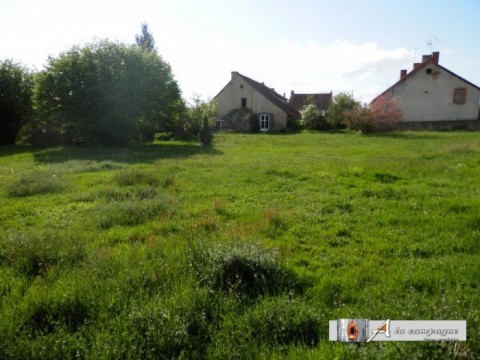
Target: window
[459, 96]
[264, 122]
[244, 102]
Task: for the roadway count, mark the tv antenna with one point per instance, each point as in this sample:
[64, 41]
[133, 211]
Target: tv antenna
[414, 53]
[432, 43]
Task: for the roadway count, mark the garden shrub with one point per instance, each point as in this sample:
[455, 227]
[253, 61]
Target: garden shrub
[380, 116]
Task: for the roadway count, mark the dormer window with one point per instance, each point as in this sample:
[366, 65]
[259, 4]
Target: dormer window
[459, 96]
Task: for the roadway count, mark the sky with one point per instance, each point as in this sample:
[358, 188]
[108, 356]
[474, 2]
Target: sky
[309, 46]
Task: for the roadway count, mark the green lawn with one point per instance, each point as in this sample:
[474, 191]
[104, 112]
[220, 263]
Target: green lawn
[244, 250]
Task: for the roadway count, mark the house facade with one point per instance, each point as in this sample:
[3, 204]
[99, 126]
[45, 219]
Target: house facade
[245, 104]
[431, 93]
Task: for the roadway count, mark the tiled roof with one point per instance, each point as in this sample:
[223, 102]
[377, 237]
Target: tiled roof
[321, 101]
[277, 99]
[419, 67]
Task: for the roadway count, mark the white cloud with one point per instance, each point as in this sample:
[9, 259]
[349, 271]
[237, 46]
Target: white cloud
[201, 56]
[204, 67]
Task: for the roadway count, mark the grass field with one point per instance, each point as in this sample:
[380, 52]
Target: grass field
[244, 250]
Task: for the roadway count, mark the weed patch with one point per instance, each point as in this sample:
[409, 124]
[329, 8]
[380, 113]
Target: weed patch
[34, 254]
[134, 176]
[247, 270]
[52, 314]
[385, 177]
[131, 212]
[273, 323]
[35, 184]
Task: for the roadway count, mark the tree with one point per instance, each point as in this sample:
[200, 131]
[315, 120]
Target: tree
[145, 39]
[311, 118]
[199, 120]
[16, 84]
[104, 93]
[380, 115]
[341, 103]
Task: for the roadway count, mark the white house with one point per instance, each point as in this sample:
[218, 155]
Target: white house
[432, 93]
[244, 104]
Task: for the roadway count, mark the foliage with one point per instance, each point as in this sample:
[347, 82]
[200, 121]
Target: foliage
[379, 116]
[103, 93]
[199, 121]
[341, 103]
[145, 39]
[311, 118]
[16, 84]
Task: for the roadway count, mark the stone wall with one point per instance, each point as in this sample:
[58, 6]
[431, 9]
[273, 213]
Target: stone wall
[439, 125]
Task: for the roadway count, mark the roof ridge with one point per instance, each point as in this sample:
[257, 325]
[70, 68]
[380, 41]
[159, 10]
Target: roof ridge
[276, 98]
[420, 66]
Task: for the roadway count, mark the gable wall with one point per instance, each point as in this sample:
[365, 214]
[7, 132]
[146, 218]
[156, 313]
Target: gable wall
[230, 98]
[429, 97]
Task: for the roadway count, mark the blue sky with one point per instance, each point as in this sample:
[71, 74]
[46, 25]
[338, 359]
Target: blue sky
[308, 46]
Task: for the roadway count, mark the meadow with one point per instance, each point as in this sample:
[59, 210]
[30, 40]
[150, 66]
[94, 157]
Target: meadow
[243, 250]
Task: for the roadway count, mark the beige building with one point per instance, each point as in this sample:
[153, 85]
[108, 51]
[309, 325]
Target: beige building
[432, 93]
[245, 104]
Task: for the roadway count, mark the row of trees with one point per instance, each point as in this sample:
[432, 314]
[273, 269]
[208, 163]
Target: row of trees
[347, 112]
[104, 93]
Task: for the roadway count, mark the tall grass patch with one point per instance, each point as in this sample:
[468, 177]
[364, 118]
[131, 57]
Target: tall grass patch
[35, 183]
[135, 176]
[274, 323]
[131, 212]
[34, 253]
[243, 269]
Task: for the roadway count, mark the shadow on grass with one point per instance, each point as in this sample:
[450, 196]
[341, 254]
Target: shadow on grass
[9, 150]
[132, 154]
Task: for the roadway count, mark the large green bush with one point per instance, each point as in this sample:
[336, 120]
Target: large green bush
[342, 102]
[103, 93]
[16, 84]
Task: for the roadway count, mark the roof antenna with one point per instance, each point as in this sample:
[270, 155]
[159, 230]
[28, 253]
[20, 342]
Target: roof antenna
[432, 43]
[414, 53]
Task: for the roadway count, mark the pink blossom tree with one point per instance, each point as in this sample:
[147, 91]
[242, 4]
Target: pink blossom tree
[381, 115]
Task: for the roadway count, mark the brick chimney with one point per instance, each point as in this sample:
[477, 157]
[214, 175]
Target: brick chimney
[435, 57]
[403, 73]
[425, 58]
[415, 65]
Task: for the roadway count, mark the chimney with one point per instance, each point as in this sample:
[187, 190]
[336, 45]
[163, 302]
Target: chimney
[292, 93]
[415, 65]
[435, 57]
[425, 58]
[403, 73]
